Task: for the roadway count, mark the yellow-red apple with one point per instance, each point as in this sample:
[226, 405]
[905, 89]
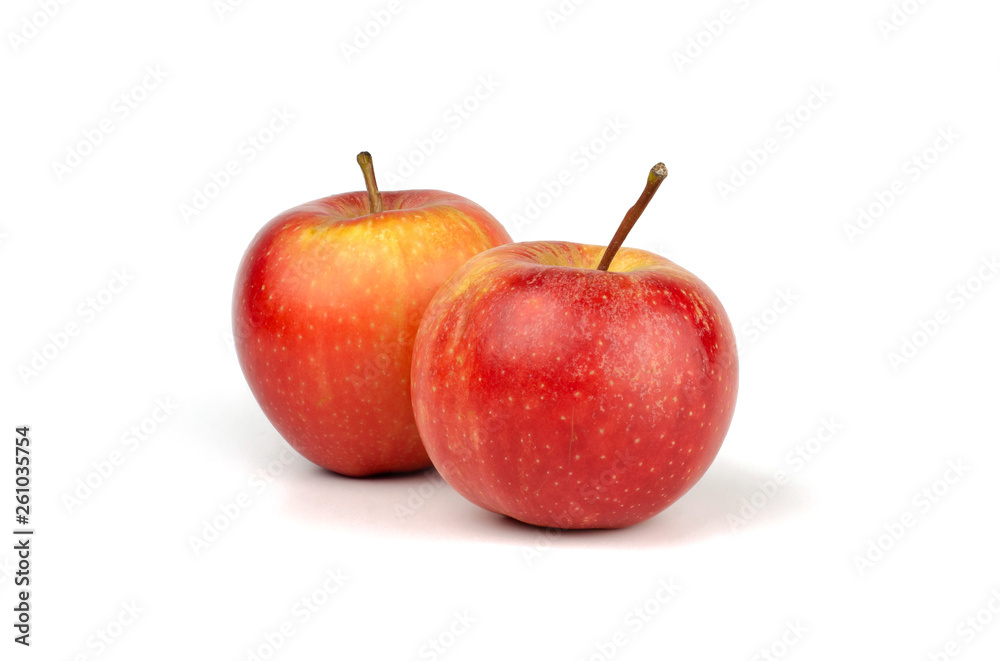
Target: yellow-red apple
[327, 302]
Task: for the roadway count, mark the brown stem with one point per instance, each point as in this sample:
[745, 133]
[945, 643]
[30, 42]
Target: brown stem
[374, 197]
[656, 177]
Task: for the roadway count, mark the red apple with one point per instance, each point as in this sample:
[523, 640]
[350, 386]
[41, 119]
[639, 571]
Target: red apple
[327, 302]
[570, 396]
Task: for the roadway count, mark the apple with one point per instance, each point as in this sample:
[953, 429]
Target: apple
[574, 386]
[327, 302]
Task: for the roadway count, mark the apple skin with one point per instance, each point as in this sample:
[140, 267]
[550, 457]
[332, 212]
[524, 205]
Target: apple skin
[327, 302]
[568, 397]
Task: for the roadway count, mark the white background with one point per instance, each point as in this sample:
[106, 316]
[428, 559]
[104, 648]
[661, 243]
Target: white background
[791, 580]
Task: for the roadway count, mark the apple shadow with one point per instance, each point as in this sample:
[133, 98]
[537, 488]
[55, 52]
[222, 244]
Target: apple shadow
[727, 500]
[236, 434]
[714, 507]
[422, 505]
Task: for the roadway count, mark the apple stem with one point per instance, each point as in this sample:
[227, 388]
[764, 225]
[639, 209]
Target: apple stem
[374, 197]
[656, 177]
